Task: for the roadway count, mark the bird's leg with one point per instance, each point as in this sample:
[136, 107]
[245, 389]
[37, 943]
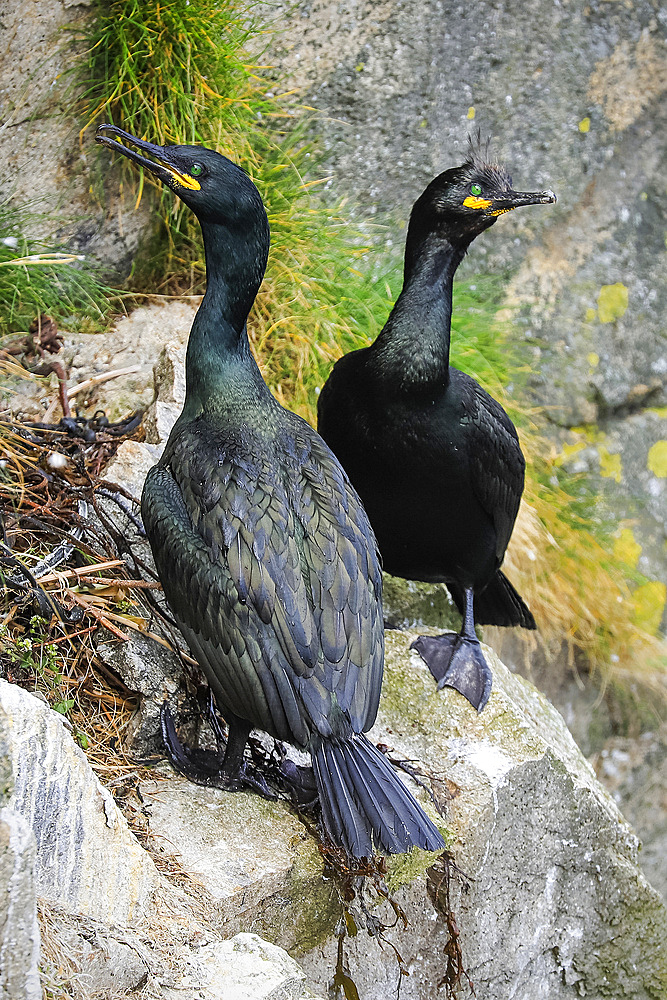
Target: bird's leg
[457, 660]
[209, 768]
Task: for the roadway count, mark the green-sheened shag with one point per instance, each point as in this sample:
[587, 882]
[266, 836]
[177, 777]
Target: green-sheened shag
[435, 460]
[265, 553]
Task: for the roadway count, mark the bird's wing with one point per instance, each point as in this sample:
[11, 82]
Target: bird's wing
[496, 462]
[341, 566]
[269, 577]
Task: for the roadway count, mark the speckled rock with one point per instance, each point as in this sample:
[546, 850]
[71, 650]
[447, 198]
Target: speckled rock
[634, 771]
[43, 164]
[253, 858]
[555, 904]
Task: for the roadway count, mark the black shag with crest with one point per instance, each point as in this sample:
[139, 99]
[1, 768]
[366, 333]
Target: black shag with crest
[265, 553]
[435, 460]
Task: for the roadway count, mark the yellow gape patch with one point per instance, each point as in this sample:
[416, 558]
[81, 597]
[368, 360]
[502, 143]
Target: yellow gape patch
[472, 202]
[183, 179]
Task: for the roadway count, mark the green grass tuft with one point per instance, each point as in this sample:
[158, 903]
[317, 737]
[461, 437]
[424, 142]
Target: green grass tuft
[36, 278]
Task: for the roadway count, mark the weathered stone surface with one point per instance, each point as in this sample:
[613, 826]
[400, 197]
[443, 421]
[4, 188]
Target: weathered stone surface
[129, 348]
[556, 906]
[253, 858]
[87, 861]
[409, 604]
[19, 931]
[155, 673]
[634, 771]
[169, 387]
[556, 890]
[43, 165]
[130, 466]
[243, 968]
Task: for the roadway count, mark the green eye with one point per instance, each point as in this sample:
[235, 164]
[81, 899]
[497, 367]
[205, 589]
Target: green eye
[196, 169]
[476, 190]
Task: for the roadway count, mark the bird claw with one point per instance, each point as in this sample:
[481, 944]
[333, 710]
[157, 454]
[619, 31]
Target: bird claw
[206, 767]
[300, 782]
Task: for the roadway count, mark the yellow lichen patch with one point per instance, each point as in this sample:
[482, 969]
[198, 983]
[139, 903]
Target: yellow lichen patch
[610, 464]
[591, 314]
[657, 459]
[649, 605]
[630, 79]
[612, 302]
[568, 451]
[593, 359]
[626, 548]
[471, 114]
[584, 125]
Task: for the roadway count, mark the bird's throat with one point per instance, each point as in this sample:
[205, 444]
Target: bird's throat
[414, 343]
[219, 361]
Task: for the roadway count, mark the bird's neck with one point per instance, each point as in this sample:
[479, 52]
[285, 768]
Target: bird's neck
[413, 348]
[219, 365]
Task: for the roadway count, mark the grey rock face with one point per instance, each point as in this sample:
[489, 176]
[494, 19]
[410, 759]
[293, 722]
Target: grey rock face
[43, 166]
[78, 829]
[635, 773]
[111, 923]
[243, 968]
[19, 931]
[557, 905]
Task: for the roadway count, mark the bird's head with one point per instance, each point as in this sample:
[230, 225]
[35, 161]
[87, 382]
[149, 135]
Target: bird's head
[464, 201]
[215, 188]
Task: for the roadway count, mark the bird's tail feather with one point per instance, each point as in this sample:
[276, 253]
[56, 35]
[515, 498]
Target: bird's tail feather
[365, 805]
[498, 604]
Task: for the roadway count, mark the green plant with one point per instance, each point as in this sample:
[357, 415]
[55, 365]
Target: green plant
[37, 278]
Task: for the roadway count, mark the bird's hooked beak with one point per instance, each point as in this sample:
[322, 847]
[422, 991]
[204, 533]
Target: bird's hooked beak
[164, 168]
[510, 200]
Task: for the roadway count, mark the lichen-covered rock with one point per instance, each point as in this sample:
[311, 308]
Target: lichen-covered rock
[87, 860]
[557, 905]
[554, 905]
[555, 902]
[410, 604]
[253, 858]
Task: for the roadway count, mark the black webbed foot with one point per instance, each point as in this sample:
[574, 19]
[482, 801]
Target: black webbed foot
[299, 780]
[212, 768]
[457, 661]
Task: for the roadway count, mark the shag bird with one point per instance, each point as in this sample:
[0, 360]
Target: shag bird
[435, 460]
[263, 548]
